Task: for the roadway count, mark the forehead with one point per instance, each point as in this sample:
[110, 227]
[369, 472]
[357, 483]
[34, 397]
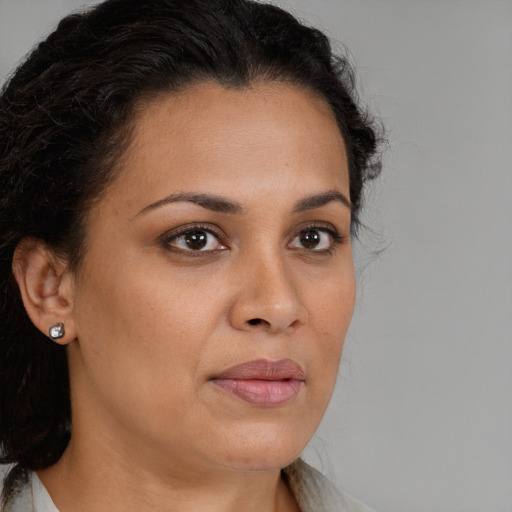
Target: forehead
[217, 138]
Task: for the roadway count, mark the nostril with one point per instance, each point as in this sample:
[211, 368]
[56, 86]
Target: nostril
[255, 321]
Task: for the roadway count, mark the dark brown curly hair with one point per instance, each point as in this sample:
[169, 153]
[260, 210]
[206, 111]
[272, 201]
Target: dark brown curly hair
[64, 122]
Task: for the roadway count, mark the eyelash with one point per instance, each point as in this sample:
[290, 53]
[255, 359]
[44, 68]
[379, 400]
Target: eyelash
[167, 239]
[335, 236]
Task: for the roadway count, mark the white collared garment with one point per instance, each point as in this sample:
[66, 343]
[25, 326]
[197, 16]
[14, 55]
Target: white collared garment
[42, 502]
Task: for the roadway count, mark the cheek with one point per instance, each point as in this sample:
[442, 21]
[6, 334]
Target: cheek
[330, 315]
[138, 340]
[148, 319]
[332, 305]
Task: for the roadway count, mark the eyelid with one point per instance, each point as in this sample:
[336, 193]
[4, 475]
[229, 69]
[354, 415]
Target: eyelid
[320, 225]
[337, 237]
[168, 236]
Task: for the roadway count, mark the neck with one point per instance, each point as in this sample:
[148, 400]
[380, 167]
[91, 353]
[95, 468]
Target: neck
[81, 481]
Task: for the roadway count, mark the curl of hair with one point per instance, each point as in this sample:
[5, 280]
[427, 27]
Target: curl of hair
[64, 122]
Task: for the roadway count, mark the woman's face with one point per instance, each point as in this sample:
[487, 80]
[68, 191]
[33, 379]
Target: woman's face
[217, 284]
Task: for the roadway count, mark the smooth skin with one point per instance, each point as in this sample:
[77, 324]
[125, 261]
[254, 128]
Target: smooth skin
[224, 238]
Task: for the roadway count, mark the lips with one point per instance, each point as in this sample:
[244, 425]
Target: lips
[263, 383]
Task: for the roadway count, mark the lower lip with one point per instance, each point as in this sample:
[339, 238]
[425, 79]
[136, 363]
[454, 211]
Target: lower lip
[263, 393]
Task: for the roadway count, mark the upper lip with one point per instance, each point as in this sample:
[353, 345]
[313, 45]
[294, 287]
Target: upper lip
[263, 369]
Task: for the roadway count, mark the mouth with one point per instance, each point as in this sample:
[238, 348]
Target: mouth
[263, 383]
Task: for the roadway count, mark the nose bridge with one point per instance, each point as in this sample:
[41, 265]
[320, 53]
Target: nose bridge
[269, 295]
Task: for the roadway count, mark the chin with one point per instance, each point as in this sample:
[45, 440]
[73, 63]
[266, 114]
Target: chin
[259, 462]
[265, 450]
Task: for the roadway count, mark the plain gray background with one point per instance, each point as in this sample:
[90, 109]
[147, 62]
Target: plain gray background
[422, 417]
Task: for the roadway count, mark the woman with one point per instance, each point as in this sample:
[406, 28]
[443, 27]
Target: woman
[182, 181]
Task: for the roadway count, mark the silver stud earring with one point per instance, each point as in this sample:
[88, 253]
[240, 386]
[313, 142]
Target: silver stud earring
[56, 331]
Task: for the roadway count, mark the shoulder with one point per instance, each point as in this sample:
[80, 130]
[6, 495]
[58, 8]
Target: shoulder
[315, 493]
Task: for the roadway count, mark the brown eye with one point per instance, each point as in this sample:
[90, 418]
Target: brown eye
[313, 239]
[310, 238]
[196, 240]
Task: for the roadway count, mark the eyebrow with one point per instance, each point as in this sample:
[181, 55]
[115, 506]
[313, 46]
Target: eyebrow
[208, 201]
[319, 200]
[222, 205]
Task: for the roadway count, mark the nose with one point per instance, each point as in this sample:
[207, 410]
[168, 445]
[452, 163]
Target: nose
[267, 298]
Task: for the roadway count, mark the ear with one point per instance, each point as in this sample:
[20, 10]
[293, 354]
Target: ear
[46, 287]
